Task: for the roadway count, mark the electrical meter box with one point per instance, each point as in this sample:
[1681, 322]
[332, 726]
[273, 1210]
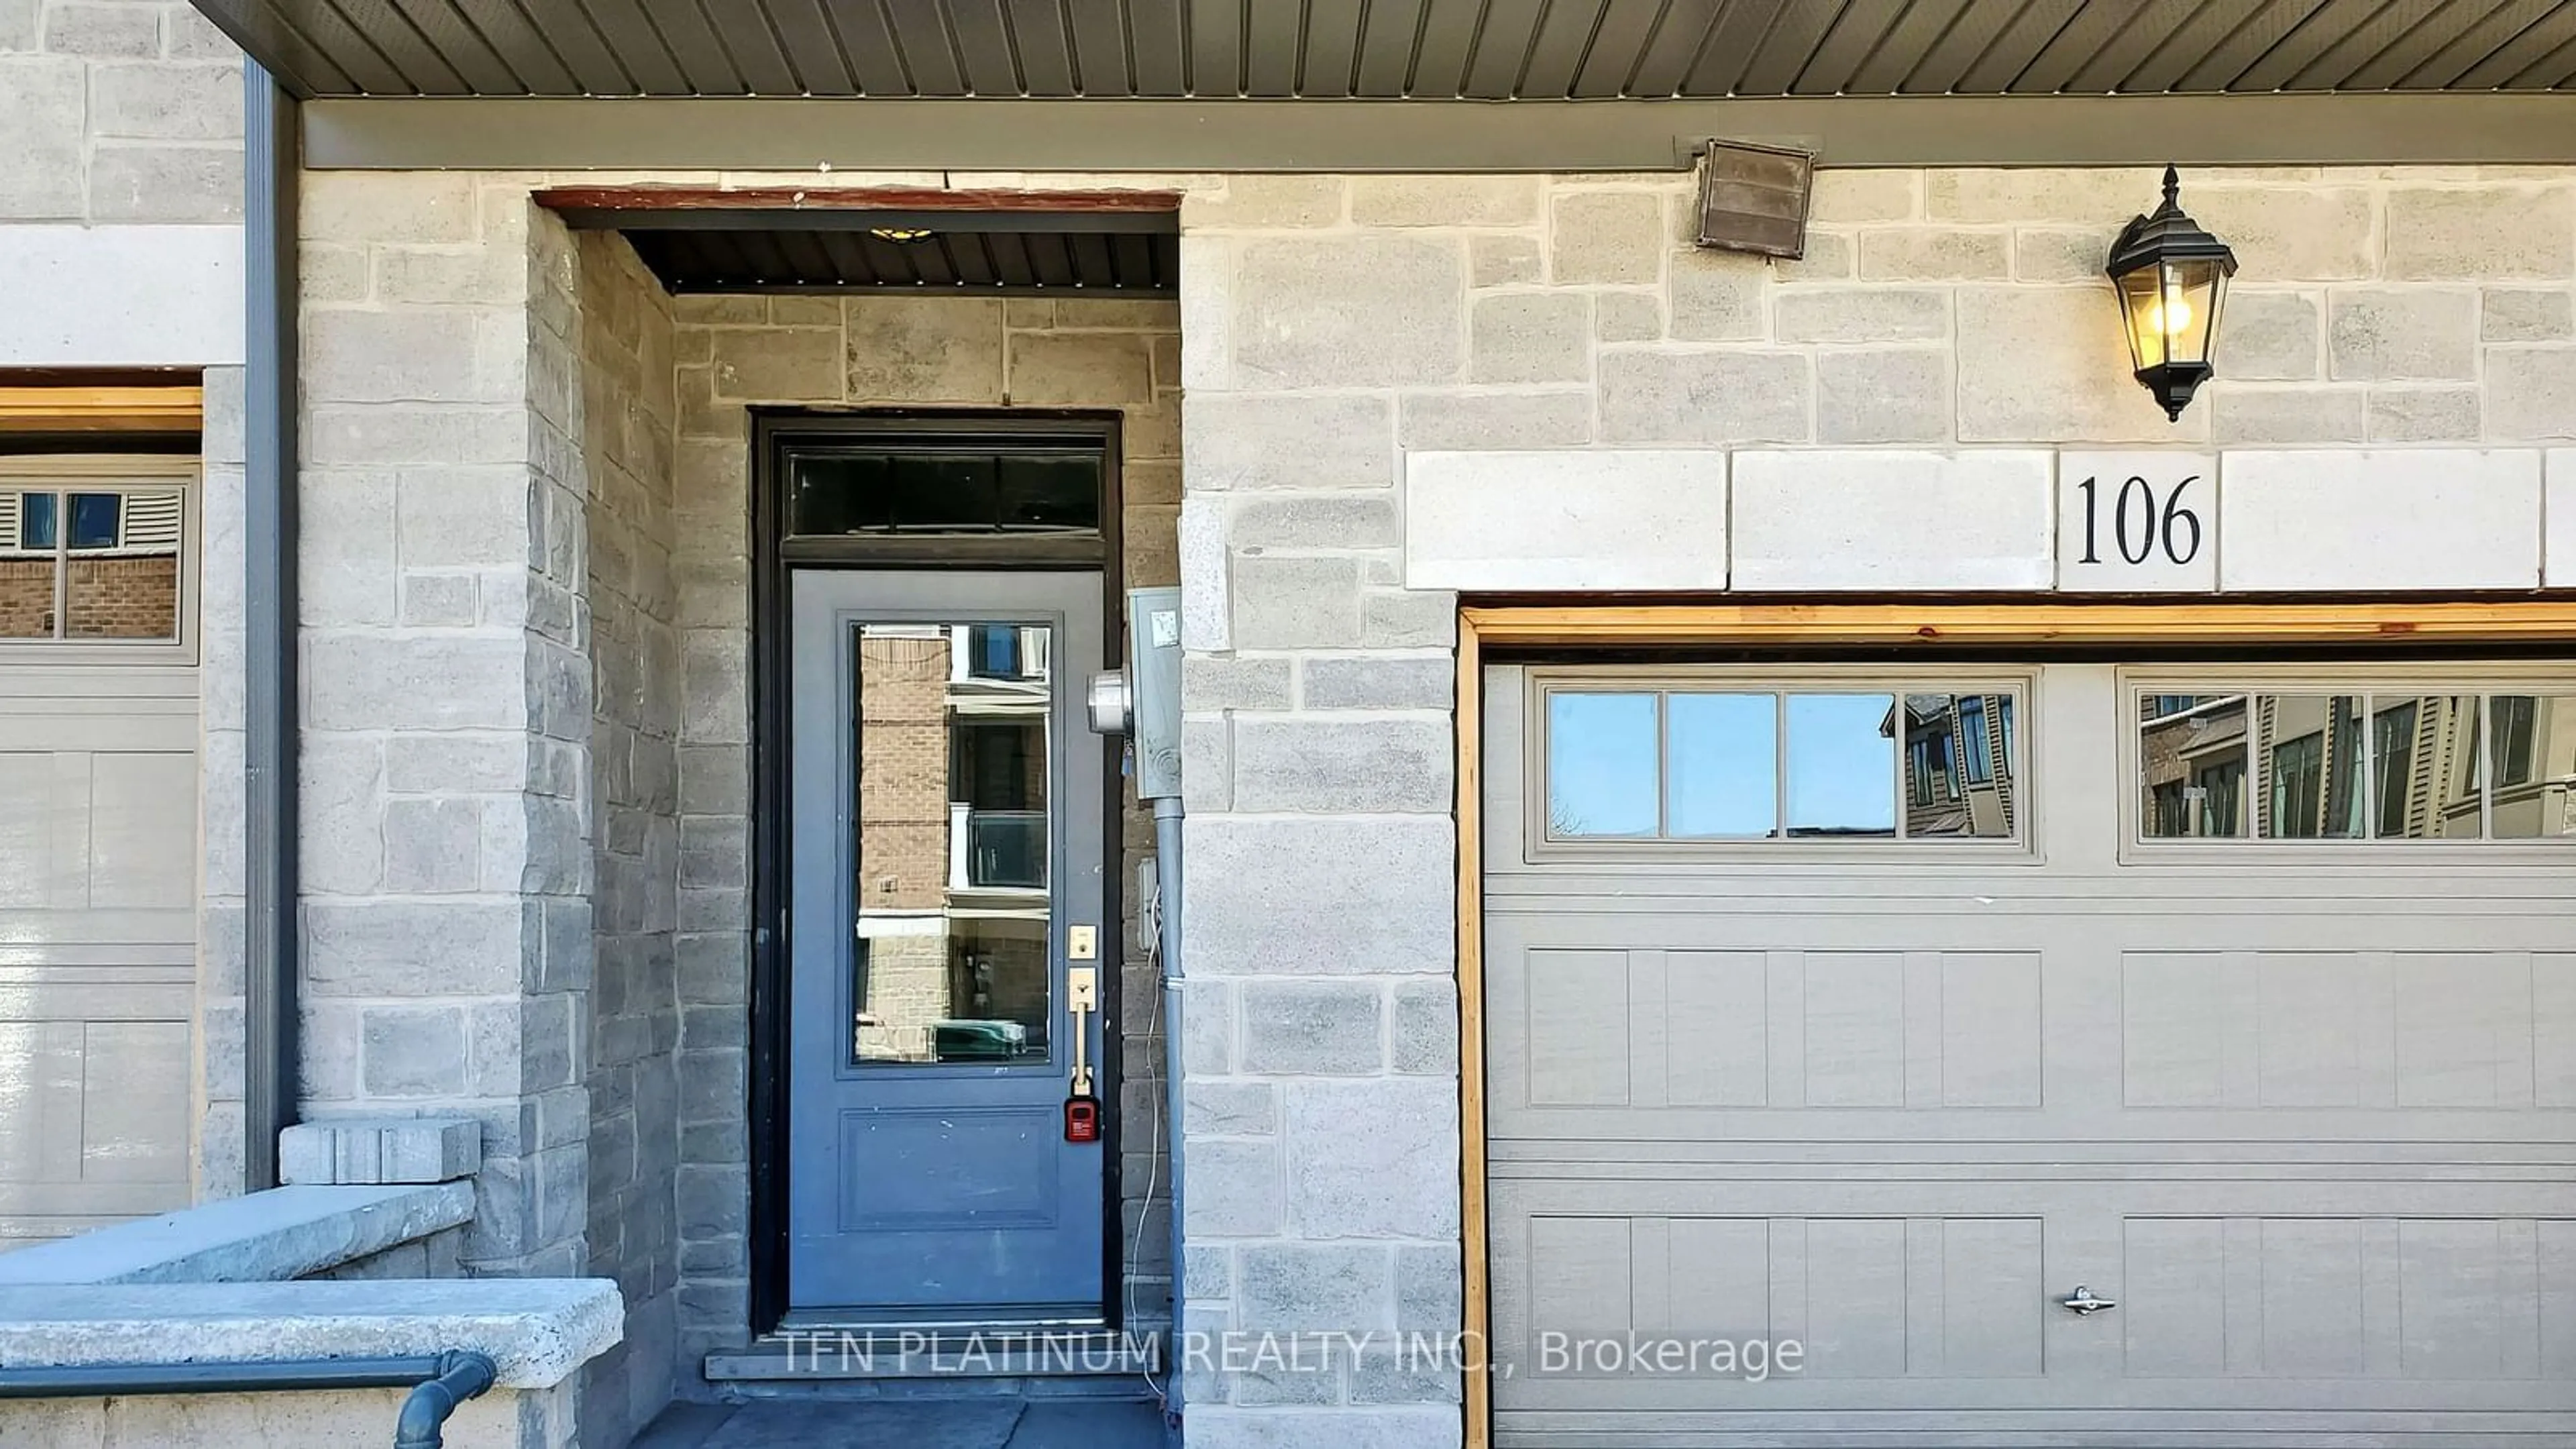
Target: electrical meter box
[1154, 679]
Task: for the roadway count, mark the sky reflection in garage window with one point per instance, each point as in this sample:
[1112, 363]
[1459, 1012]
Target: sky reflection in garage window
[1601, 766]
[1842, 765]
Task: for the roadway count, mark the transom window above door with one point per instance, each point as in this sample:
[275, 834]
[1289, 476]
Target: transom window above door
[1717, 761]
[2459, 758]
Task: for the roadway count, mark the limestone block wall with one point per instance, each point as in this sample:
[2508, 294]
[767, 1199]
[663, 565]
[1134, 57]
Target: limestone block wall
[216, 1153]
[629, 428]
[448, 712]
[1333, 325]
[120, 185]
[118, 111]
[500, 1419]
[736, 353]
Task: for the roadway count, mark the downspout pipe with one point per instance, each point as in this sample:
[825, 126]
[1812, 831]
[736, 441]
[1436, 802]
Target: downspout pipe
[460, 1376]
[271, 940]
[1167, 858]
[438, 1383]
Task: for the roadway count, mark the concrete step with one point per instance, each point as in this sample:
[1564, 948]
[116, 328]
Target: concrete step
[825, 1424]
[940, 1354]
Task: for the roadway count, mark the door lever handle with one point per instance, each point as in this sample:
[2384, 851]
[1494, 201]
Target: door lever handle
[1082, 988]
[2083, 1304]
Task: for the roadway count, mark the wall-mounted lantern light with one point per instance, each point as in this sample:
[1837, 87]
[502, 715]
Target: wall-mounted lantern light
[2172, 278]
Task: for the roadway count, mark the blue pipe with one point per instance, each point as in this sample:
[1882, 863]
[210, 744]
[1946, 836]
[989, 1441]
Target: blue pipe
[461, 1376]
[1167, 850]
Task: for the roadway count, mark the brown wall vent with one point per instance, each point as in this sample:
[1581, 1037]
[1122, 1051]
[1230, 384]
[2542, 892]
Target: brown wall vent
[1753, 198]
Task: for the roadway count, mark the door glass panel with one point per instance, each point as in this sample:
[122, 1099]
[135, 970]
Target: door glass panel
[1842, 764]
[2192, 753]
[1723, 764]
[1959, 766]
[2533, 738]
[952, 960]
[1601, 774]
[2310, 746]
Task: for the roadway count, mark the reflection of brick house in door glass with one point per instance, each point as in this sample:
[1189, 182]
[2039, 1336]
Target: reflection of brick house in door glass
[951, 894]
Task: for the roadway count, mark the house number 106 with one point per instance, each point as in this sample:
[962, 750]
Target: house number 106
[2168, 525]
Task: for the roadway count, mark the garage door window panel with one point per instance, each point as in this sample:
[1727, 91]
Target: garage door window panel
[1722, 752]
[2392, 764]
[1601, 766]
[87, 556]
[2534, 744]
[1726, 764]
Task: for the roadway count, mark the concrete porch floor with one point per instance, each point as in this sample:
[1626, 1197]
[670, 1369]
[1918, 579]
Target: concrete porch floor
[919, 1424]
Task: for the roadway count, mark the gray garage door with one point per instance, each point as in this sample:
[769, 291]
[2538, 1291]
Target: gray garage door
[98, 842]
[1879, 1012]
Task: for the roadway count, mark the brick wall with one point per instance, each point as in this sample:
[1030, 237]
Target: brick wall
[119, 597]
[122, 598]
[903, 838]
[118, 111]
[628, 430]
[26, 598]
[903, 773]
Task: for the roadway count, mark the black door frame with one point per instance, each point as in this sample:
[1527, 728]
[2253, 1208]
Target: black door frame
[774, 555]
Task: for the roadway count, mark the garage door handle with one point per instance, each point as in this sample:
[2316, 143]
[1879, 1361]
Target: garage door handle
[2083, 1304]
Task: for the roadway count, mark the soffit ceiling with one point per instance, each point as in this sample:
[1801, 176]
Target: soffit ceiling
[970, 262]
[974, 244]
[1408, 49]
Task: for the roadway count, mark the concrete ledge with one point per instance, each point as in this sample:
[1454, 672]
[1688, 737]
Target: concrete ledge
[538, 1330]
[288, 1232]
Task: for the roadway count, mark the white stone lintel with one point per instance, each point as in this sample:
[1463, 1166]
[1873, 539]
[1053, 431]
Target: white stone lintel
[121, 296]
[1570, 520]
[1879, 520]
[1834, 520]
[2558, 510]
[2380, 520]
[538, 1331]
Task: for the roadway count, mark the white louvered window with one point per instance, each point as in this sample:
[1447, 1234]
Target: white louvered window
[91, 558]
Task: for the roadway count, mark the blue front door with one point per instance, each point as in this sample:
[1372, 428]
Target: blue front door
[948, 827]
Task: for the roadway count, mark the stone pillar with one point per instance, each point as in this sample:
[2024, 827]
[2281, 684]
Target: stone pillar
[447, 685]
[222, 794]
[1320, 1192]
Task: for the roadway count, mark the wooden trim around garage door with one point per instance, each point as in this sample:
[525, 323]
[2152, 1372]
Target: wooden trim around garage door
[1475, 1242]
[2217, 625]
[42, 409]
[1754, 625]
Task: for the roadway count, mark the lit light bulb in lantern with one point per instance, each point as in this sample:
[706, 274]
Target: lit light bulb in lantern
[2172, 317]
